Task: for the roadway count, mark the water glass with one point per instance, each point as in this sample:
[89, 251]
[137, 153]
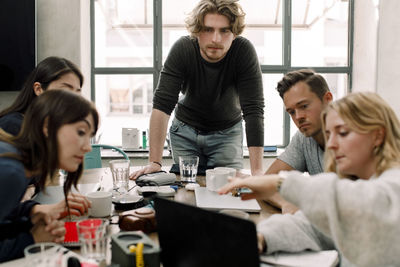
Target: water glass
[120, 174]
[188, 168]
[44, 254]
[93, 239]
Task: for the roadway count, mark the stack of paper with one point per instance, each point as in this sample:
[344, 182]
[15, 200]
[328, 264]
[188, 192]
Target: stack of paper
[327, 258]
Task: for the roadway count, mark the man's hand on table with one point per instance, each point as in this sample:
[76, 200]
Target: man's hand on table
[151, 167]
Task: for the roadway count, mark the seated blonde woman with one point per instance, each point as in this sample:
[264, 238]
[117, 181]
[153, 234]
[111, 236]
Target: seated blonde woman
[355, 206]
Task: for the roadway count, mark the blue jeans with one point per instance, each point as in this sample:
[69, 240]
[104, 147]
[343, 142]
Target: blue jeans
[214, 149]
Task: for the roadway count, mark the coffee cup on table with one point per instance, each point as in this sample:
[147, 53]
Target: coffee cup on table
[215, 179]
[101, 203]
[232, 171]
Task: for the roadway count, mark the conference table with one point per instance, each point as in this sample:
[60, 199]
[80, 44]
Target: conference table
[102, 177]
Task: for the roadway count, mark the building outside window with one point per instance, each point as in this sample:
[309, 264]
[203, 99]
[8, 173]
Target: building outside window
[132, 38]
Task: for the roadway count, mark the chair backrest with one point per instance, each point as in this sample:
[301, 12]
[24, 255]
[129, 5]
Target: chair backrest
[93, 158]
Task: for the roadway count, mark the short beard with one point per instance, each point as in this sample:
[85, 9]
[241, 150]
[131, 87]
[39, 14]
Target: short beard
[312, 134]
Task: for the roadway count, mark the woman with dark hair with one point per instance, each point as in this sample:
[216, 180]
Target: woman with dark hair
[55, 135]
[51, 73]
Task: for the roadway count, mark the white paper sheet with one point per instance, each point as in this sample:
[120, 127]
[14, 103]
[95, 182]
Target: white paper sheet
[327, 258]
[213, 201]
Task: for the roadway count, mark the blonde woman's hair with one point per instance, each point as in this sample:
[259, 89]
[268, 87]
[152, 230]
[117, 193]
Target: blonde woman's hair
[364, 113]
[228, 8]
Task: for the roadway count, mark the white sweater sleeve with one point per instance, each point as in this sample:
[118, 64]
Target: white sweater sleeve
[362, 217]
[292, 233]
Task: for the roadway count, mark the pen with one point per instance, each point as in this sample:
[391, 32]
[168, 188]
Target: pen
[237, 192]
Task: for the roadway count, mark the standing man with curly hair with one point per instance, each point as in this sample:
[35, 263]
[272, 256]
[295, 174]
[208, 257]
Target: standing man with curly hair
[217, 73]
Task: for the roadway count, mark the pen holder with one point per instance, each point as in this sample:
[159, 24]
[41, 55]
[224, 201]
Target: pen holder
[121, 255]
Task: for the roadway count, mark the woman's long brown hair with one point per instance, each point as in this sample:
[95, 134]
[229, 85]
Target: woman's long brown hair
[38, 152]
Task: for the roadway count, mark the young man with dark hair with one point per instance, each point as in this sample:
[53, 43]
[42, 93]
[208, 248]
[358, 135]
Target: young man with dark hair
[305, 94]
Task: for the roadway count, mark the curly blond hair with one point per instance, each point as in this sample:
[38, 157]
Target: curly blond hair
[228, 8]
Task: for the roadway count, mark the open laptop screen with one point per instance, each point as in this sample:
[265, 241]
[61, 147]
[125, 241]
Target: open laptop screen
[194, 237]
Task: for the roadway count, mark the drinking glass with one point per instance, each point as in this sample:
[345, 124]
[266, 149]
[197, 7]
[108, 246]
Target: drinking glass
[120, 174]
[44, 254]
[93, 238]
[188, 168]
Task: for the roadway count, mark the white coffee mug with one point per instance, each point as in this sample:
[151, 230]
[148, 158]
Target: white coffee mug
[232, 171]
[130, 138]
[215, 179]
[101, 203]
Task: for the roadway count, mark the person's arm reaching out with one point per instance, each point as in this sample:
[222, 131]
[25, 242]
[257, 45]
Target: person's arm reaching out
[262, 187]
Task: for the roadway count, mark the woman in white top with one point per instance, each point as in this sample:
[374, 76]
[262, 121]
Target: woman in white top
[358, 216]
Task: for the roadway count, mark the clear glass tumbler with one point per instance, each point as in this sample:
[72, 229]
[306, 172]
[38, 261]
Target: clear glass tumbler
[188, 168]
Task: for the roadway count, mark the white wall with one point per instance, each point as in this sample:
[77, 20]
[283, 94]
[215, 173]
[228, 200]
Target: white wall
[365, 46]
[388, 75]
[376, 55]
[64, 31]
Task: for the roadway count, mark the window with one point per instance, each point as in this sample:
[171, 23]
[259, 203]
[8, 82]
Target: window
[131, 40]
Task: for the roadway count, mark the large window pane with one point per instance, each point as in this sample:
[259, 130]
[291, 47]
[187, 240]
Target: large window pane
[174, 15]
[319, 33]
[124, 33]
[264, 29]
[124, 38]
[273, 115]
[123, 101]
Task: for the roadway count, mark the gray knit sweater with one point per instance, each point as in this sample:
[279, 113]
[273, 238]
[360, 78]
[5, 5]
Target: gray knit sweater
[361, 219]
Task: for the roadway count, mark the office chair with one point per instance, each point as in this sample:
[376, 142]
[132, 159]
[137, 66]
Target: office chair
[93, 158]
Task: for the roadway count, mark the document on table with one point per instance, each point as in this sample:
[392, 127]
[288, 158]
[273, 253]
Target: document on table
[326, 258]
[213, 201]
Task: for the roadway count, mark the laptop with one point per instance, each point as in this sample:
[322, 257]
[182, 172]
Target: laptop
[191, 236]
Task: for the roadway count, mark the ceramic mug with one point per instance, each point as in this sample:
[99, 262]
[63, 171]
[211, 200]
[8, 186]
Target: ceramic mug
[232, 171]
[101, 203]
[215, 179]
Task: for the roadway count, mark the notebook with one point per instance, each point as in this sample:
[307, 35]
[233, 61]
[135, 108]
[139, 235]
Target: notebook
[71, 238]
[213, 201]
[326, 258]
[191, 236]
